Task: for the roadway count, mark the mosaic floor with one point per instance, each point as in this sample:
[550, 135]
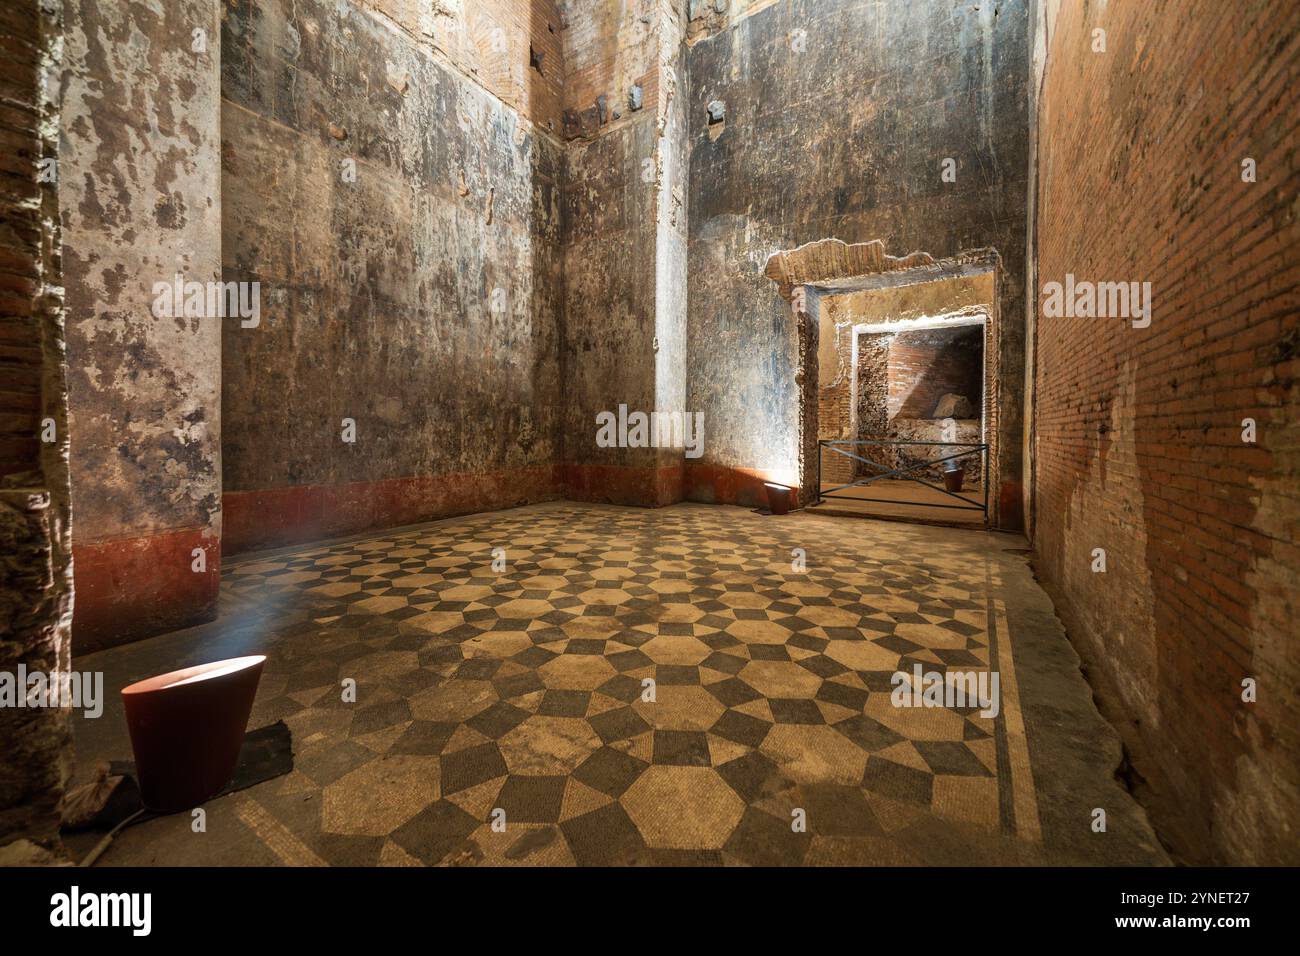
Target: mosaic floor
[567, 683]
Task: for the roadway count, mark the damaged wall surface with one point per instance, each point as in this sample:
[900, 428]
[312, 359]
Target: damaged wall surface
[609, 224]
[35, 543]
[473, 226]
[404, 226]
[448, 293]
[836, 119]
[928, 364]
[141, 202]
[1142, 441]
[624, 245]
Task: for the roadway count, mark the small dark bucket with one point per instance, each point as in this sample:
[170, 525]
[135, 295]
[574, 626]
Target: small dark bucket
[778, 498]
[187, 727]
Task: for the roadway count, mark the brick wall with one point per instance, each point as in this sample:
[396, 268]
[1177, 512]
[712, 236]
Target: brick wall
[20, 351]
[1138, 437]
[610, 48]
[927, 364]
[512, 48]
[900, 375]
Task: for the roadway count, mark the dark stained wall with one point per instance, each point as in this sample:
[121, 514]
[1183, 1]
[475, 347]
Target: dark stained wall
[479, 289]
[609, 234]
[422, 301]
[840, 132]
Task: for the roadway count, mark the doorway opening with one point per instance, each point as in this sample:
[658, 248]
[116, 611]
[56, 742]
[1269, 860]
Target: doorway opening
[899, 381]
[901, 425]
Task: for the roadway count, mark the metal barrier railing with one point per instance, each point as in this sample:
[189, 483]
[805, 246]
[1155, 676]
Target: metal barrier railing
[969, 504]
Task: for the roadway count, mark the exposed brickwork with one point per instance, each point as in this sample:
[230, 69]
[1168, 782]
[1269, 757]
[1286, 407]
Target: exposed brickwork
[1138, 439]
[510, 47]
[900, 378]
[20, 148]
[925, 365]
[609, 49]
[35, 573]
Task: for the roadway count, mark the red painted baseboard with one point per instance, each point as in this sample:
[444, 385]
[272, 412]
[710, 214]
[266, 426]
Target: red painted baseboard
[130, 588]
[275, 517]
[647, 487]
[1011, 508]
[723, 485]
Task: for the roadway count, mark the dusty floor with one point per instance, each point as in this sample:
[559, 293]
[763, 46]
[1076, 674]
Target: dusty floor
[522, 691]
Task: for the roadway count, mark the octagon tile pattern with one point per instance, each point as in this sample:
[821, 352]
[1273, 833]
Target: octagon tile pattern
[634, 687]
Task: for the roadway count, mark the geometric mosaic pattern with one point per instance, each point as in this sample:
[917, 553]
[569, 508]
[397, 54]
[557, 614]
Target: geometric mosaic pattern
[523, 691]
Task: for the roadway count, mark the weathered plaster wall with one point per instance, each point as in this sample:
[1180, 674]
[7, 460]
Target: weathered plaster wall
[1139, 431]
[624, 242]
[471, 291]
[421, 300]
[671, 258]
[141, 201]
[838, 116]
[609, 272]
[35, 543]
[912, 303]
